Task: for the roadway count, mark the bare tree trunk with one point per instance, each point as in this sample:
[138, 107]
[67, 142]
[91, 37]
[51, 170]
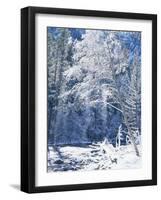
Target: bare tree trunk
[119, 137]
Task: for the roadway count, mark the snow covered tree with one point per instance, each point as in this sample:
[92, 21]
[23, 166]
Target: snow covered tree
[96, 89]
[119, 64]
[51, 62]
[59, 59]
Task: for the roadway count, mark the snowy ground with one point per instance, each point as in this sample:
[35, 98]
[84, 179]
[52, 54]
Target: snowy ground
[92, 157]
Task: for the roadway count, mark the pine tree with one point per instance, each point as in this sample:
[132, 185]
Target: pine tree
[59, 50]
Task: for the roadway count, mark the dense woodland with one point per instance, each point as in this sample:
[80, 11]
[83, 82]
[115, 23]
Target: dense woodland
[94, 87]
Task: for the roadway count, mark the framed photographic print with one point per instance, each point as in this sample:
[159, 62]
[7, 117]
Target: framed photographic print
[88, 99]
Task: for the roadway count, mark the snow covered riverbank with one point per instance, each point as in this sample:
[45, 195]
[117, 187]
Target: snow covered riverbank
[92, 157]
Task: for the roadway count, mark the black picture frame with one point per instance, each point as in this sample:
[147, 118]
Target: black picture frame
[28, 98]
